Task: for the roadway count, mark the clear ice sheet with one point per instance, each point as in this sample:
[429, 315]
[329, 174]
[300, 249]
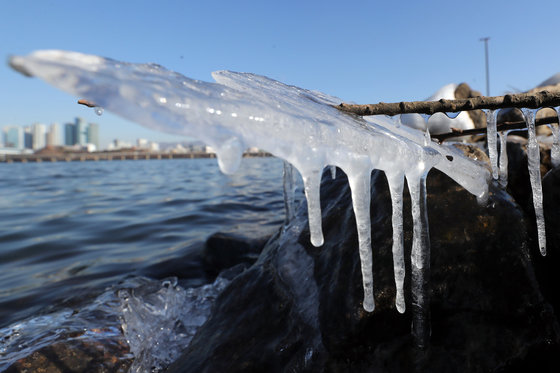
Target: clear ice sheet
[244, 110]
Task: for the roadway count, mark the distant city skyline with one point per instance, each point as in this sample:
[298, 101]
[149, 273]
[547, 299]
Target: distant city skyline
[37, 135]
[364, 51]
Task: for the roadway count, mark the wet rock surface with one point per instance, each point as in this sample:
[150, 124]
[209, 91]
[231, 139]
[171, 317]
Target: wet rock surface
[298, 308]
[77, 356]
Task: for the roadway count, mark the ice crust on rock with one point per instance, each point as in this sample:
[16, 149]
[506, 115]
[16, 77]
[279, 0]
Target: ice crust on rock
[300, 126]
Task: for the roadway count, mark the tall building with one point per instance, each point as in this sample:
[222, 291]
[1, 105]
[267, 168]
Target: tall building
[27, 138]
[93, 134]
[39, 133]
[53, 136]
[70, 137]
[13, 137]
[81, 131]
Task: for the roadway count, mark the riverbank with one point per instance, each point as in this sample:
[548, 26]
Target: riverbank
[111, 156]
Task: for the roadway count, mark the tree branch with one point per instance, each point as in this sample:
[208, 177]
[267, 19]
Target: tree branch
[87, 103]
[521, 100]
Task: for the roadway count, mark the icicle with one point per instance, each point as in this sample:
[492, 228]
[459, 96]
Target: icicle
[396, 184]
[491, 136]
[333, 172]
[533, 158]
[555, 150]
[420, 258]
[312, 186]
[289, 191]
[427, 137]
[503, 168]
[361, 198]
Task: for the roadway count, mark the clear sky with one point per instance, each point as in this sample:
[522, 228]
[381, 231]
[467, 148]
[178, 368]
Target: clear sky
[361, 51]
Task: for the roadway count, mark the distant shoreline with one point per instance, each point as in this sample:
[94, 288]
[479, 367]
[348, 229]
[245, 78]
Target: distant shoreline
[111, 156]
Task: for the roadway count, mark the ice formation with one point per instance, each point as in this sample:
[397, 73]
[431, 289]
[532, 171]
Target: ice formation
[534, 160]
[492, 136]
[159, 319]
[503, 167]
[302, 127]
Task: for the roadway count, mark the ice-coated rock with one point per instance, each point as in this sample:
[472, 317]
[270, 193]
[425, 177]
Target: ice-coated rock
[244, 110]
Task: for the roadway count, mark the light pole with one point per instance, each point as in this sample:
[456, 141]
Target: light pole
[485, 40]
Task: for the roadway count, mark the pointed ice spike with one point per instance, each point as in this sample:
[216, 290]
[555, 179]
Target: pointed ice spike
[312, 186]
[361, 197]
[491, 136]
[555, 150]
[289, 192]
[533, 158]
[421, 328]
[503, 168]
[333, 172]
[396, 185]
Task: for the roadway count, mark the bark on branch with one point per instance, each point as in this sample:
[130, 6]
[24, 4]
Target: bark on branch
[521, 100]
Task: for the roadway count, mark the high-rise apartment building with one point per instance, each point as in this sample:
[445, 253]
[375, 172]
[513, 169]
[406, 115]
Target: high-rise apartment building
[70, 137]
[13, 137]
[27, 138]
[39, 133]
[53, 136]
[81, 131]
[93, 134]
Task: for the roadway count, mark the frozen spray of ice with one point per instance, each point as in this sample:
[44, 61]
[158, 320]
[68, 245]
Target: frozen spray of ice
[243, 110]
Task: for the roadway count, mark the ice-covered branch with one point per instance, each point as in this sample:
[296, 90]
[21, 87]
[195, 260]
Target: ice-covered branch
[521, 100]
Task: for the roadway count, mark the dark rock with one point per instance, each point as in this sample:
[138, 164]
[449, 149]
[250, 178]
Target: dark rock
[225, 250]
[298, 308]
[547, 267]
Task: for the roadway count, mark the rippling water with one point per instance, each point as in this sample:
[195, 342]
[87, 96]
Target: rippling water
[70, 230]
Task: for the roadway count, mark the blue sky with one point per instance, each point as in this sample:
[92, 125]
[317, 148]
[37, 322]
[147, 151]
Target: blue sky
[361, 51]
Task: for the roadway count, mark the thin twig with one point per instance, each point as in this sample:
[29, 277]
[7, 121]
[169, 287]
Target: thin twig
[521, 100]
[87, 103]
[505, 126]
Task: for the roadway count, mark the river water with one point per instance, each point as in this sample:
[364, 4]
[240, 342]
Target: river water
[70, 233]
